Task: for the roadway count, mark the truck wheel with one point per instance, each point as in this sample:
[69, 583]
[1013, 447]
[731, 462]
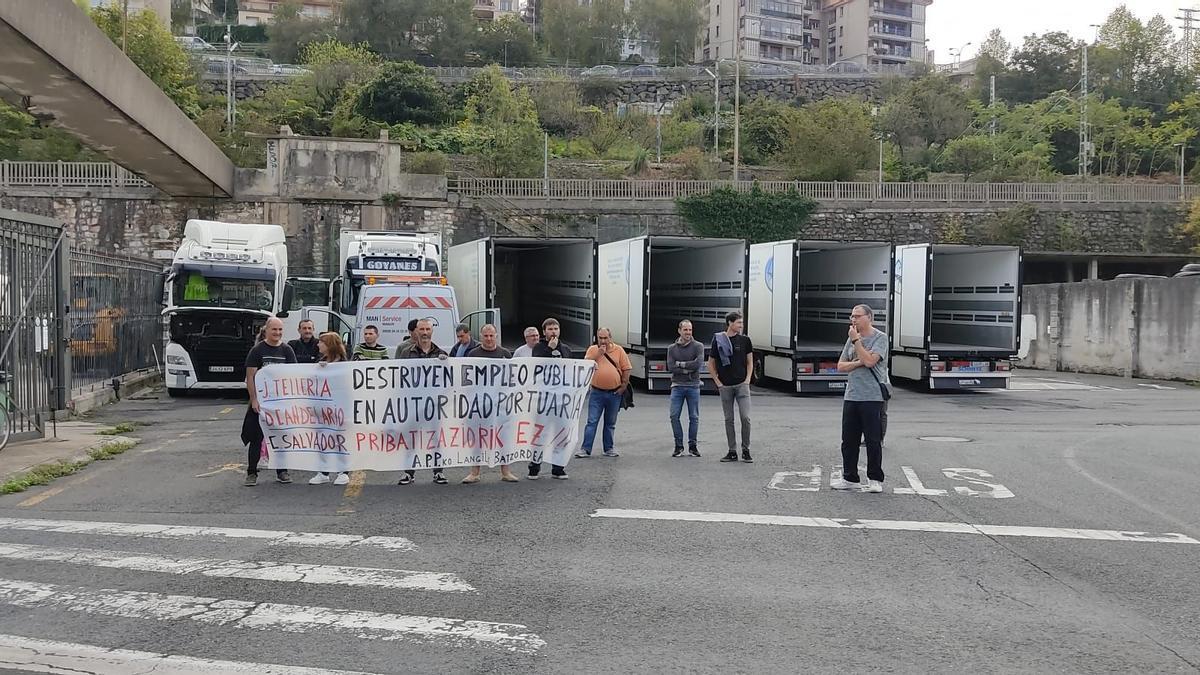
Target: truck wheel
[759, 377]
[176, 392]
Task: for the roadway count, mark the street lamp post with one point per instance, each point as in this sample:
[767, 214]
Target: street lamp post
[230, 94]
[716, 108]
[1182, 160]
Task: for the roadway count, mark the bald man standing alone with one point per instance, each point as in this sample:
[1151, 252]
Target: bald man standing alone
[270, 351]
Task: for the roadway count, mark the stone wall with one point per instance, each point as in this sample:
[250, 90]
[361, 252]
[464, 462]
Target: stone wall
[149, 227]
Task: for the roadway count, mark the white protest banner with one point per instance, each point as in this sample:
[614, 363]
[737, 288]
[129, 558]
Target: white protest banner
[422, 414]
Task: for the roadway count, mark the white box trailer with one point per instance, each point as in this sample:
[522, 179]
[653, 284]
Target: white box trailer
[649, 284]
[530, 279]
[800, 297]
[957, 309]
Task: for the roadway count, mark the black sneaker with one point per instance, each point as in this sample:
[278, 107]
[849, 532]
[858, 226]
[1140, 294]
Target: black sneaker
[559, 476]
[440, 478]
[695, 452]
[746, 457]
[678, 452]
[405, 479]
[283, 477]
[731, 457]
[251, 480]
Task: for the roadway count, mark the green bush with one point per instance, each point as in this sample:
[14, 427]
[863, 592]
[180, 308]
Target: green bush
[639, 163]
[433, 163]
[1012, 227]
[756, 215]
[677, 135]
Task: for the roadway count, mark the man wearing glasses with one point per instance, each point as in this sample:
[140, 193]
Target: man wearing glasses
[864, 360]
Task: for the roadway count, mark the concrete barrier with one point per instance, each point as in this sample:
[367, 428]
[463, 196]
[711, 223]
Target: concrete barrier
[1129, 327]
[129, 383]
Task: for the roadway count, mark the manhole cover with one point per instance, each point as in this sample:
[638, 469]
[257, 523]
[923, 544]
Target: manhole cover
[944, 439]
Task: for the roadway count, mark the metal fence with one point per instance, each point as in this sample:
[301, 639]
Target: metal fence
[32, 257]
[635, 190]
[70, 319]
[115, 322]
[68, 175]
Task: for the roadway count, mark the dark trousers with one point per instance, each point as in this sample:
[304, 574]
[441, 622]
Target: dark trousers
[253, 453]
[556, 469]
[862, 419]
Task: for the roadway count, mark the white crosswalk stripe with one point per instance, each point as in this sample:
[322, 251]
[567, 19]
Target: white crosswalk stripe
[150, 531]
[243, 613]
[241, 569]
[65, 658]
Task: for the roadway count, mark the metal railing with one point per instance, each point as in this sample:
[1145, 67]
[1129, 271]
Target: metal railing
[68, 175]
[114, 317]
[586, 189]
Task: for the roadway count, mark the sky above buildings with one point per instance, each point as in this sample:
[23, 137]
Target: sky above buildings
[952, 23]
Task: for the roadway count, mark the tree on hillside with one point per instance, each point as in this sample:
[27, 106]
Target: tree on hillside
[290, 32]
[996, 47]
[389, 27]
[1044, 64]
[334, 66]
[450, 32]
[508, 138]
[225, 10]
[402, 92]
[829, 140]
[671, 26]
[507, 41]
[581, 34]
[154, 51]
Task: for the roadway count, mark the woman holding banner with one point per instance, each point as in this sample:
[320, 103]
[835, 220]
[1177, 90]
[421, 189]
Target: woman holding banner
[332, 350]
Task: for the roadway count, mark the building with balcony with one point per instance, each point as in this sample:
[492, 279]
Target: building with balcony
[257, 12]
[490, 10]
[815, 32]
[160, 8]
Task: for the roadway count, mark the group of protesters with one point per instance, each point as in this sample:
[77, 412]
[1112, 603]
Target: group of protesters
[730, 363]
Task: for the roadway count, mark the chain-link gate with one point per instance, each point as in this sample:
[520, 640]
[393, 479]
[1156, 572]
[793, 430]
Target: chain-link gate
[32, 265]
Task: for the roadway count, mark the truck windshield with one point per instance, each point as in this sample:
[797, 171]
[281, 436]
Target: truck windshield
[192, 288]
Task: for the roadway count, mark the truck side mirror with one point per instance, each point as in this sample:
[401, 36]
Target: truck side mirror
[289, 293]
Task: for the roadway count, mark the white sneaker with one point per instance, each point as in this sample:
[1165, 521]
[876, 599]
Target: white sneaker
[318, 479]
[840, 483]
[342, 478]
[874, 486]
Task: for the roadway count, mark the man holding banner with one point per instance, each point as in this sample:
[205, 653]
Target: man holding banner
[490, 349]
[424, 348]
[550, 347]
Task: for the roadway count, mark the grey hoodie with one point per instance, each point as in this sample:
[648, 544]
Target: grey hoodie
[691, 356]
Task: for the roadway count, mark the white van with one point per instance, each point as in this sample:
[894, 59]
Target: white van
[390, 307]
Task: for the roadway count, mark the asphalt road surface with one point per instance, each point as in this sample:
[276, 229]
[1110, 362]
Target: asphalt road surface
[1053, 527]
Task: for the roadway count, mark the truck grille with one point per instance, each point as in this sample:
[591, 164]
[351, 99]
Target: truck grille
[220, 353]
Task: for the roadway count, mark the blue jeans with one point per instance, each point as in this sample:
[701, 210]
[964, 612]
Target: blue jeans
[600, 402]
[692, 396]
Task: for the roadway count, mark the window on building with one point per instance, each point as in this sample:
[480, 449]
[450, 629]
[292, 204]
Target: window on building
[841, 31]
[718, 9]
[718, 31]
[841, 52]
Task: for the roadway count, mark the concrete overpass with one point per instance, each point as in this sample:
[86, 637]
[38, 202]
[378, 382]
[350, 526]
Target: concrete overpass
[58, 66]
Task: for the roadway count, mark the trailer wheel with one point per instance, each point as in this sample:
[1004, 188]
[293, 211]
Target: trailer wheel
[759, 376]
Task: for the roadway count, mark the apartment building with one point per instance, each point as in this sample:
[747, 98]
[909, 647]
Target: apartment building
[490, 10]
[161, 8]
[815, 32]
[256, 12]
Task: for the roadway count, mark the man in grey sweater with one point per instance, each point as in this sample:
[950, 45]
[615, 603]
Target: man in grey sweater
[684, 358]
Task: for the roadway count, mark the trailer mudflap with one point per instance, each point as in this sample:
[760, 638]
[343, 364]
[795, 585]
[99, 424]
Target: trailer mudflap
[963, 381]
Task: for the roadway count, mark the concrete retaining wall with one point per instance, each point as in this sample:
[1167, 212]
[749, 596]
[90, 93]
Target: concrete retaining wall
[1129, 327]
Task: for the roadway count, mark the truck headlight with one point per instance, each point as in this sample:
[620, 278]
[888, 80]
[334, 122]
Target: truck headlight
[174, 360]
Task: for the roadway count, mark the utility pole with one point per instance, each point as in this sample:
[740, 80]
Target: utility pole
[993, 106]
[737, 96]
[1085, 144]
[125, 27]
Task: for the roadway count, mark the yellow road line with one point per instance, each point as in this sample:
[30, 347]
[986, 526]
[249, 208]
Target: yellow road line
[353, 490]
[222, 468]
[226, 411]
[47, 494]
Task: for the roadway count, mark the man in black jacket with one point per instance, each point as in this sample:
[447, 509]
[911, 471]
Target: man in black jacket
[306, 346]
[423, 347]
[550, 347]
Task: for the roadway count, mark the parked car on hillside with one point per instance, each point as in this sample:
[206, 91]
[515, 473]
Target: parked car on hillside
[846, 67]
[600, 71]
[640, 71]
[193, 43]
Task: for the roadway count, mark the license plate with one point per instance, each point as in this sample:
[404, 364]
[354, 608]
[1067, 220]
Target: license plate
[220, 369]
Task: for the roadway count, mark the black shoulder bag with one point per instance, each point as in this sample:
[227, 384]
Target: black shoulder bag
[627, 397]
[883, 390]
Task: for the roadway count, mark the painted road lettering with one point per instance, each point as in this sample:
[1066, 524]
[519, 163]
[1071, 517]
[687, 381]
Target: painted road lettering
[810, 481]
